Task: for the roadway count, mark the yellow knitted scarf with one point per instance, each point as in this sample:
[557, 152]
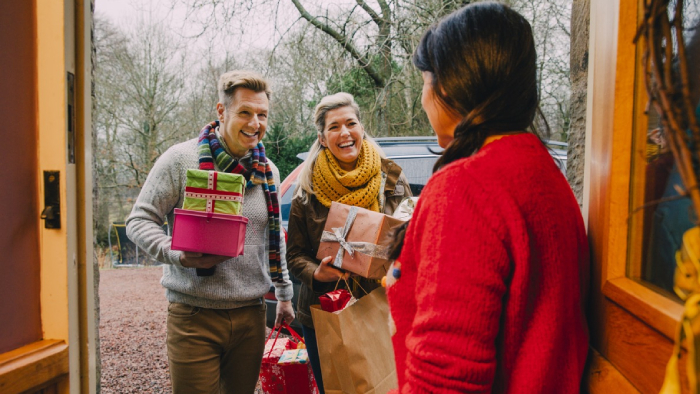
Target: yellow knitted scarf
[359, 187]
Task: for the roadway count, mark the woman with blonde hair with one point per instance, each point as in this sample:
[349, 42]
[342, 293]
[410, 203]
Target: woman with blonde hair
[346, 166]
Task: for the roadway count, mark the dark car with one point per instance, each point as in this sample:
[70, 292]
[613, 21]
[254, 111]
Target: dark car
[415, 155]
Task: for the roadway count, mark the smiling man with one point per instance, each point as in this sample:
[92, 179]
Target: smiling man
[216, 323]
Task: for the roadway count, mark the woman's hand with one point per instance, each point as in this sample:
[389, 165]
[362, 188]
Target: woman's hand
[326, 272]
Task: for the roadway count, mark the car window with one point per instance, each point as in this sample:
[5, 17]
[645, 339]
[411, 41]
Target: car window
[417, 169]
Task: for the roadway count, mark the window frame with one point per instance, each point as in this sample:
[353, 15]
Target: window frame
[628, 321]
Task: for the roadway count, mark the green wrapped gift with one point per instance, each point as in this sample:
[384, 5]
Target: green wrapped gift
[215, 192]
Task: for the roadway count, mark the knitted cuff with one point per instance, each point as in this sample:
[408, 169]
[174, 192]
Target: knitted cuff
[284, 291]
[173, 257]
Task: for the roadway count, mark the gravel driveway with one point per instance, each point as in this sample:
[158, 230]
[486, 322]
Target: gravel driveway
[133, 310]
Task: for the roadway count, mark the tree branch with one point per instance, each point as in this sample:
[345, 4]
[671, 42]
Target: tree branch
[344, 42]
[375, 17]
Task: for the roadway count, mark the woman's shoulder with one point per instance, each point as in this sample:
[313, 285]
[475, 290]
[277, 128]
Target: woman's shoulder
[392, 171]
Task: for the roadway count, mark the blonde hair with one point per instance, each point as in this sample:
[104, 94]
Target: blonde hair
[328, 103]
[232, 80]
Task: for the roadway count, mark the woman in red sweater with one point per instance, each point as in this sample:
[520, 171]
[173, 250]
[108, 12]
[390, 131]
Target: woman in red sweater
[491, 281]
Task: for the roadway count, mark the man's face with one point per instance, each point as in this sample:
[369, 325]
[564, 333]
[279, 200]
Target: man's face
[244, 122]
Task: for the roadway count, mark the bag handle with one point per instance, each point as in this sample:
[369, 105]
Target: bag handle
[275, 341]
[291, 331]
[347, 285]
[279, 330]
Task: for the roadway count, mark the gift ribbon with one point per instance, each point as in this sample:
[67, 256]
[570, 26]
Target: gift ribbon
[339, 234]
[279, 330]
[211, 194]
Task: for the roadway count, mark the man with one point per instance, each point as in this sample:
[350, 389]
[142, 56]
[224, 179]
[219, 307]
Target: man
[216, 324]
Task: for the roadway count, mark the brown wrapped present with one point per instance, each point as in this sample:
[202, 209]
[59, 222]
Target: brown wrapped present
[359, 239]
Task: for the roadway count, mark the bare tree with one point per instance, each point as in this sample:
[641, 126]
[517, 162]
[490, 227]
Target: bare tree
[141, 85]
[143, 105]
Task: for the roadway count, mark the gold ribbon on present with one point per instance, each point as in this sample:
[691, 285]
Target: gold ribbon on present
[339, 235]
[687, 286]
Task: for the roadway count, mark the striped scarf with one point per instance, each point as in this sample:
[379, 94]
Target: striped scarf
[212, 155]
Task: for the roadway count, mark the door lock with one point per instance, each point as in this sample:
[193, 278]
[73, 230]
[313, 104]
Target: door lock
[52, 200]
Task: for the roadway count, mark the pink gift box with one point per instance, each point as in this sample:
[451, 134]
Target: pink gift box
[212, 233]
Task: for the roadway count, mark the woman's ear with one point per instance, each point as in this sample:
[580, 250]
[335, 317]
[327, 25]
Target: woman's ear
[321, 140]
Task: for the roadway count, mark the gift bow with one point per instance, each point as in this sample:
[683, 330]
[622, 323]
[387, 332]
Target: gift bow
[340, 233]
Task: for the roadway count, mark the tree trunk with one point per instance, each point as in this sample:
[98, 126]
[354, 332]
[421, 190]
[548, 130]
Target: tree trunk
[580, 22]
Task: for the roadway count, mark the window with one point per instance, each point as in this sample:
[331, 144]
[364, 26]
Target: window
[659, 214]
[632, 320]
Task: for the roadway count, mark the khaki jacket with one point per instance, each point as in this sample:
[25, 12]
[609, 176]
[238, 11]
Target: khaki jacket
[306, 222]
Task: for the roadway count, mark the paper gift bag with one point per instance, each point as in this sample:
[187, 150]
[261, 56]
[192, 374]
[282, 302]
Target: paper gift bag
[359, 239]
[212, 191]
[355, 348]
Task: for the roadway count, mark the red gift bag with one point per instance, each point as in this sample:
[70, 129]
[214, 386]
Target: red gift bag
[285, 378]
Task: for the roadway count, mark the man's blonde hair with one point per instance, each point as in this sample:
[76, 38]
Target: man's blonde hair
[232, 80]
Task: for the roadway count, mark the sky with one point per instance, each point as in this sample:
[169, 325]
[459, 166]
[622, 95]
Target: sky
[258, 34]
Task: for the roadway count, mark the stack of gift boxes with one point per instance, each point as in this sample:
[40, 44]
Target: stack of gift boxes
[210, 220]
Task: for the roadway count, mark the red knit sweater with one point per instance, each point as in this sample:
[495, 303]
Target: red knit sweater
[493, 269]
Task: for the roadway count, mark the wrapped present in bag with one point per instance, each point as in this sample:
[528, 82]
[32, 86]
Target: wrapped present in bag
[285, 377]
[359, 239]
[335, 300]
[209, 221]
[354, 346]
[406, 208]
[213, 191]
[294, 356]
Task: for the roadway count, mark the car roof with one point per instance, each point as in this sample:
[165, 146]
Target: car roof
[397, 147]
[417, 146]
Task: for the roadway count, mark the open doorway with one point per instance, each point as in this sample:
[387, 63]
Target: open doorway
[156, 71]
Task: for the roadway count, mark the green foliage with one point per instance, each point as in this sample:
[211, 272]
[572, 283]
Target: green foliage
[356, 82]
[282, 148]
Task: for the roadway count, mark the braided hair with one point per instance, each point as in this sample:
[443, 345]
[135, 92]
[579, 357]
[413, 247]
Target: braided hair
[484, 68]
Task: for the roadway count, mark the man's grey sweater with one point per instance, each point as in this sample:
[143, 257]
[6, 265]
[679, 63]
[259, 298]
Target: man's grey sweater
[237, 282]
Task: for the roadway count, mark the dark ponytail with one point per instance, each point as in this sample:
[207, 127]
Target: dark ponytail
[484, 68]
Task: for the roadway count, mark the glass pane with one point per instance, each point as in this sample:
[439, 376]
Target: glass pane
[659, 215]
[418, 170]
[658, 223]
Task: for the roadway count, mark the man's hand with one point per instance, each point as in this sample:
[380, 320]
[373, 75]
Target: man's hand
[326, 272]
[284, 311]
[201, 260]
